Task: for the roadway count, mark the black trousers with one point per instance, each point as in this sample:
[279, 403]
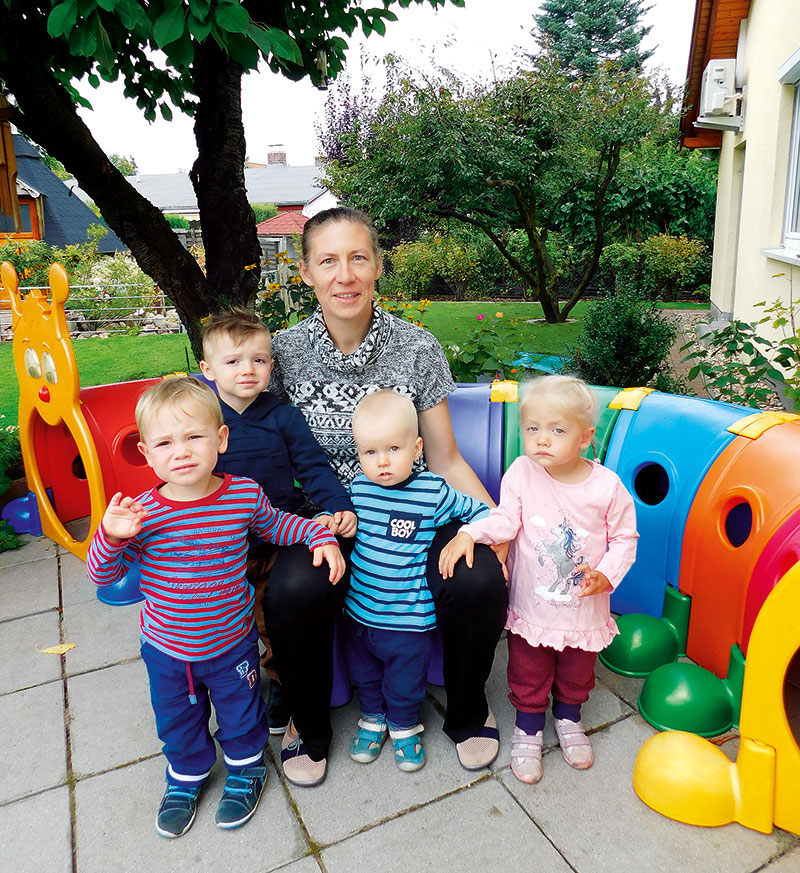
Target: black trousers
[301, 608]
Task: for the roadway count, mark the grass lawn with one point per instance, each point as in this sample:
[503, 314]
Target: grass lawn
[102, 361]
[119, 359]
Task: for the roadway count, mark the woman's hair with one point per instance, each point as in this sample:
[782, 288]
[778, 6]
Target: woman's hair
[338, 213]
[175, 392]
[236, 323]
[570, 395]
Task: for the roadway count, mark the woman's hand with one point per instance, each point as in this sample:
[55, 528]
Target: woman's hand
[333, 556]
[593, 582]
[123, 518]
[461, 546]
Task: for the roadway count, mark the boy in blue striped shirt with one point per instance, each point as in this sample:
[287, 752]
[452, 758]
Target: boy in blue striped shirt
[390, 610]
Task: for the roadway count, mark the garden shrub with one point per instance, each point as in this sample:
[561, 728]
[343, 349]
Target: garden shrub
[673, 265]
[263, 211]
[413, 267]
[625, 342]
[177, 222]
[10, 465]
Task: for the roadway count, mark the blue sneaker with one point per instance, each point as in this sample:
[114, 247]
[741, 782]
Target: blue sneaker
[240, 797]
[177, 810]
[408, 752]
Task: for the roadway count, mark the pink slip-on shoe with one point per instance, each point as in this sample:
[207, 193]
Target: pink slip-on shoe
[576, 749]
[298, 766]
[480, 750]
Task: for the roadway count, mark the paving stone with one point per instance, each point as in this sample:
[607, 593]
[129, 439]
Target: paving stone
[475, 831]
[787, 863]
[24, 665]
[626, 687]
[355, 795]
[305, 865]
[33, 549]
[28, 588]
[116, 812]
[597, 822]
[33, 751]
[75, 584]
[112, 720]
[103, 634]
[35, 834]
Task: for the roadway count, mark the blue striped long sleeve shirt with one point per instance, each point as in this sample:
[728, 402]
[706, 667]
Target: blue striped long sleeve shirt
[396, 524]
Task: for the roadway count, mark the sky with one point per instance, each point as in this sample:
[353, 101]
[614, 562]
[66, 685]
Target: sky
[278, 113]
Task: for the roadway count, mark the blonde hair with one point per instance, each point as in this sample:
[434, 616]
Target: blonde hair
[572, 396]
[237, 324]
[381, 404]
[175, 392]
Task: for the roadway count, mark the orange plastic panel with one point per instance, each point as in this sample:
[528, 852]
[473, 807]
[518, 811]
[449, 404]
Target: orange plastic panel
[721, 545]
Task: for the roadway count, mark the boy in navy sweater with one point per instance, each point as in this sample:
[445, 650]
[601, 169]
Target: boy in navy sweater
[270, 442]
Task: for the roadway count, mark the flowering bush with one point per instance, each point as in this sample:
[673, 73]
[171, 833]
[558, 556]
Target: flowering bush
[10, 463]
[285, 302]
[488, 350]
[408, 312]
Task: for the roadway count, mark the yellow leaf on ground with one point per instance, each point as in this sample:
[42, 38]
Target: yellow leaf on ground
[58, 650]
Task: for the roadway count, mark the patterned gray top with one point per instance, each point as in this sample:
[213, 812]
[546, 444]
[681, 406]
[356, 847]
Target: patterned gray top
[326, 385]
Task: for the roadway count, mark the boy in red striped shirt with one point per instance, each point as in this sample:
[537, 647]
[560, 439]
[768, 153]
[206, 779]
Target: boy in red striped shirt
[199, 642]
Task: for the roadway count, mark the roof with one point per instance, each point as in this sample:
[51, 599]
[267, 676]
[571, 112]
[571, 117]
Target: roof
[283, 224]
[66, 218]
[280, 184]
[715, 34]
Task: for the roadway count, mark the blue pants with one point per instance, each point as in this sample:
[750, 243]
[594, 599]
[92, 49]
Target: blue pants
[389, 669]
[182, 693]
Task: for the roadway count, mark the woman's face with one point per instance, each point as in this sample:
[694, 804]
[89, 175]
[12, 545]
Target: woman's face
[342, 267]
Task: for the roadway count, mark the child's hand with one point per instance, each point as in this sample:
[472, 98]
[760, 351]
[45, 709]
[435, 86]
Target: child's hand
[461, 546]
[123, 518]
[333, 556]
[593, 582]
[325, 519]
[344, 523]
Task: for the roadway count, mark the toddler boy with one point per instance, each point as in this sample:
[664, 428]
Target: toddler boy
[198, 639]
[270, 442]
[390, 610]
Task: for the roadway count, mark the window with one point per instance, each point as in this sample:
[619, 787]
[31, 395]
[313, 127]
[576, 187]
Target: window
[791, 225]
[29, 227]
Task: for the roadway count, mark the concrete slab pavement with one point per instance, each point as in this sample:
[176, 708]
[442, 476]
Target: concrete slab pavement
[83, 774]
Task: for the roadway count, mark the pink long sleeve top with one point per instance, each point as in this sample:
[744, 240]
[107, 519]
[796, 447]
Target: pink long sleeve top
[554, 528]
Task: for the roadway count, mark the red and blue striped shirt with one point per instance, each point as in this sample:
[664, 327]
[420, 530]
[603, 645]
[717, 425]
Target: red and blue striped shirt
[193, 558]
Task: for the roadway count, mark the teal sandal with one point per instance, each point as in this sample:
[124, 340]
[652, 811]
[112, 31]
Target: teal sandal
[369, 740]
[409, 755]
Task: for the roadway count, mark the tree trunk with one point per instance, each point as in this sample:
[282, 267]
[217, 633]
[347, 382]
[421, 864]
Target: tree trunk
[233, 256]
[46, 112]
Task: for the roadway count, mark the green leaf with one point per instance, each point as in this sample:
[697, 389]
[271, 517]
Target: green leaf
[166, 112]
[108, 5]
[181, 52]
[134, 18]
[231, 17]
[62, 18]
[283, 46]
[199, 29]
[83, 40]
[169, 26]
[199, 8]
[105, 54]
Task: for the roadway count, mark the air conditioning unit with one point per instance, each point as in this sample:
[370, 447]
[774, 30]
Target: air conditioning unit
[718, 91]
[720, 102]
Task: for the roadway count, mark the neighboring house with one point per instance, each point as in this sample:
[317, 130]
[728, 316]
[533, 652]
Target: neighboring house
[276, 235]
[49, 211]
[754, 118]
[291, 189]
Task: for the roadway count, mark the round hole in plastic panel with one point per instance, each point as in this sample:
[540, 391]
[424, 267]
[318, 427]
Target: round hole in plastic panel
[651, 484]
[738, 524]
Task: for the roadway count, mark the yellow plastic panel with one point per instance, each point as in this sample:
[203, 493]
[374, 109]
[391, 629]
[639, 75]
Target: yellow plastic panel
[629, 398]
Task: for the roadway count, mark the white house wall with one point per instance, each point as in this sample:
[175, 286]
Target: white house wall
[753, 171]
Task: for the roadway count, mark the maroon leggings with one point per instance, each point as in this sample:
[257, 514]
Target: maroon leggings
[535, 671]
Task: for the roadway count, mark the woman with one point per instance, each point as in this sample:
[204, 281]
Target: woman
[325, 365]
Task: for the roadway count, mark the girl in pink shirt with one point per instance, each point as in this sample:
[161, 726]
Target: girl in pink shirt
[572, 527]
